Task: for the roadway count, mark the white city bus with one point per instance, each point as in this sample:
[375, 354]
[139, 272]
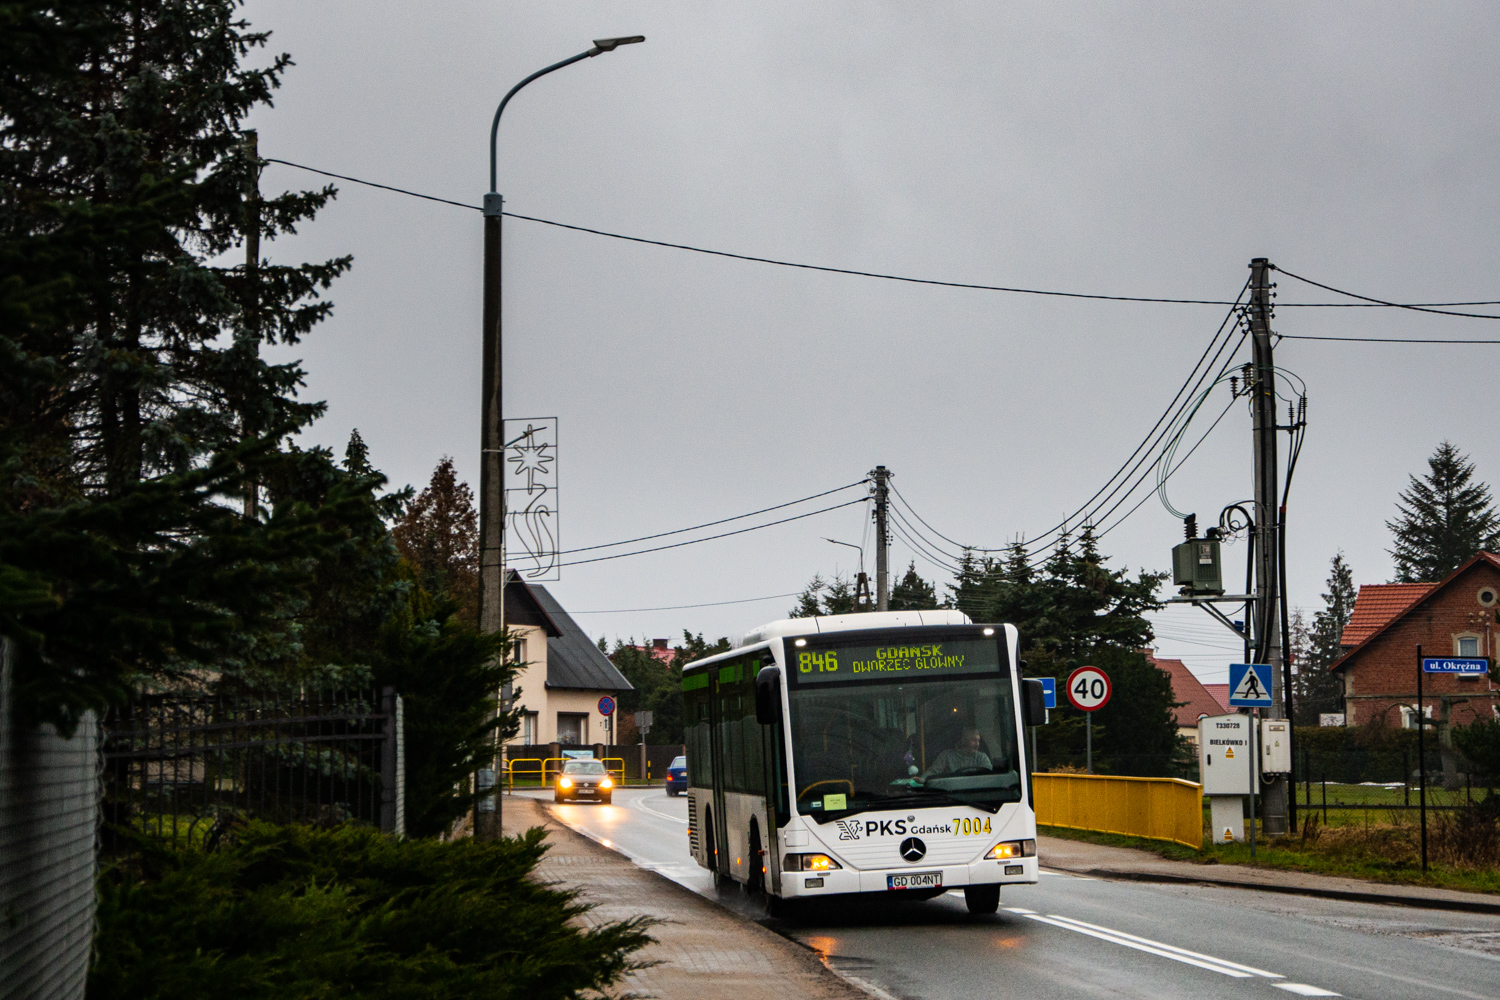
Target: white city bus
[871, 753]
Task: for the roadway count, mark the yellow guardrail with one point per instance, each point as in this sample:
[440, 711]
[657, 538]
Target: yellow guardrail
[1155, 808]
[540, 768]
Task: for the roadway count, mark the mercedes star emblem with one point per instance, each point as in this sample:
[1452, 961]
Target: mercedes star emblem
[913, 849]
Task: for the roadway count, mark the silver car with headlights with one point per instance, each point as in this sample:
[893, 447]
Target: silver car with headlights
[584, 779]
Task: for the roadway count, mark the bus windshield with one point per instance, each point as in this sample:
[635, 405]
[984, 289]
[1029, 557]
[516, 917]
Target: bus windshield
[940, 730]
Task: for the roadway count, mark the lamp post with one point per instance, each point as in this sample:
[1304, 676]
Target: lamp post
[491, 492]
[861, 582]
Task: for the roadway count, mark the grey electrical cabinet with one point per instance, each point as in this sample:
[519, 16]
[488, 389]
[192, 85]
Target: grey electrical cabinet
[1195, 565]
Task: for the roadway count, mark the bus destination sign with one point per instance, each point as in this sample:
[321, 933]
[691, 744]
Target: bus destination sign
[893, 661]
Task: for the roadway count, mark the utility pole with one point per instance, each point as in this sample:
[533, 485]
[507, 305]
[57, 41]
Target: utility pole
[882, 492]
[1268, 522]
[252, 286]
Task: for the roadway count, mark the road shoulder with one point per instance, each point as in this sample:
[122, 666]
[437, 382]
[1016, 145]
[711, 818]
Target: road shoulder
[1100, 861]
[703, 951]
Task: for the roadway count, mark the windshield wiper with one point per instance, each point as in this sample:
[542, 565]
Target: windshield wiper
[945, 796]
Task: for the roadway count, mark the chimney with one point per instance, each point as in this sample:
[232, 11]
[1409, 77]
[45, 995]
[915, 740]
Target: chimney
[658, 643]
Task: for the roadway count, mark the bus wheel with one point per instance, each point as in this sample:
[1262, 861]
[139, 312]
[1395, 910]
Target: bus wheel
[756, 878]
[982, 898]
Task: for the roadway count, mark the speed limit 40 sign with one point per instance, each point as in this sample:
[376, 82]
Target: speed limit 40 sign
[1088, 689]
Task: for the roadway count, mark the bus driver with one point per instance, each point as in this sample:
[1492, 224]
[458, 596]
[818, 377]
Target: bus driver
[966, 755]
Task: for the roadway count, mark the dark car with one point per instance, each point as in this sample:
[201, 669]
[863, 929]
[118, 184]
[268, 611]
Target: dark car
[584, 779]
[677, 776]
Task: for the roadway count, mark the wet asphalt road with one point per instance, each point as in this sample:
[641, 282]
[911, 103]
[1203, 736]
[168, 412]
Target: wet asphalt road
[1081, 937]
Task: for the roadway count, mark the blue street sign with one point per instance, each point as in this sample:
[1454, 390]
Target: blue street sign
[606, 705]
[1455, 665]
[1249, 685]
[1049, 690]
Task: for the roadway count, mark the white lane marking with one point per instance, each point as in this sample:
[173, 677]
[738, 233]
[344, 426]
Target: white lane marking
[1208, 962]
[1081, 878]
[1303, 990]
[640, 803]
[1252, 970]
[1019, 909]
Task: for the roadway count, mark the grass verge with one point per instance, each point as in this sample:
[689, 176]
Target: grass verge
[1378, 853]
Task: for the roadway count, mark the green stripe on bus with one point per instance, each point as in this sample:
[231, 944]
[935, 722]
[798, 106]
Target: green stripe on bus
[729, 674]
[695, 682]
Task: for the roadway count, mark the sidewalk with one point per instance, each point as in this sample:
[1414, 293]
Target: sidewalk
[1126, 863]
[705, 952]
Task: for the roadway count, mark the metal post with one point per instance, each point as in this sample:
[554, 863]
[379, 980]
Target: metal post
[1088, 729]
[882, 539]
[1253, 777]
[492, 446]
[1421, 758]
[1267, 516]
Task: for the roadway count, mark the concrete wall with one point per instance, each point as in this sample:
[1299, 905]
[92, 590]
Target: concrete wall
[1384, 674]
[49, 809]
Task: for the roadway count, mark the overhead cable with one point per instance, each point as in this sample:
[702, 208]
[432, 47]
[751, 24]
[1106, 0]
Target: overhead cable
[1382, 302]
[683, 607]
[726, 534]
[710, 524]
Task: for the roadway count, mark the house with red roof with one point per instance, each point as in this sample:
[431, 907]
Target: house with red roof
[1458, 616]
[1194, 698]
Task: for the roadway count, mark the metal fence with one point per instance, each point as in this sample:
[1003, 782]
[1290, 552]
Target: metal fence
[178, 767]
[49, 807]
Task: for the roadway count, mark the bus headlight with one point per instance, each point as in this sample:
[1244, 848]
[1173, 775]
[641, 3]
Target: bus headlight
[606, 783]
[564, 782]
[810, 863]
[1012, 849]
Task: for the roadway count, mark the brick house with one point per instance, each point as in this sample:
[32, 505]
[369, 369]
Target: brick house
[1458, 616]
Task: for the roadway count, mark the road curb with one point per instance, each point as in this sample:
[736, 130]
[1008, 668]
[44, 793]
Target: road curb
[1347, 895]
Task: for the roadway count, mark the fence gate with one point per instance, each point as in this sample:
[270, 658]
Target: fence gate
[177, 766]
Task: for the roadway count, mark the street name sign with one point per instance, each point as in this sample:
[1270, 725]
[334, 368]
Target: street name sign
[1249, 685]
[1455, 665]
[1088, 689]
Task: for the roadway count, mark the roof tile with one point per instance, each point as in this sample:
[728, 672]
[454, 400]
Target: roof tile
[1378, 604]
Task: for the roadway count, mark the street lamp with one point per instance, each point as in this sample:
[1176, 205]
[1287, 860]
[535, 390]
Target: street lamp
[491, 493]
[862, 582]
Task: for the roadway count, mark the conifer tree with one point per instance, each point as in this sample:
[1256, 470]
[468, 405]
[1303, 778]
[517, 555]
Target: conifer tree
[133, 398]
[1318, 690]
[912, 593]
[439, 536]
[1444, 518]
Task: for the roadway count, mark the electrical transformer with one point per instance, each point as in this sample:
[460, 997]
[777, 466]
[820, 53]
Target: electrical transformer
[1195, 565]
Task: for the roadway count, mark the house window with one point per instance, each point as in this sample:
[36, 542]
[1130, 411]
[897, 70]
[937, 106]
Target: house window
[517, 653]
[572, 727]
[528, 728]
[1467, 645]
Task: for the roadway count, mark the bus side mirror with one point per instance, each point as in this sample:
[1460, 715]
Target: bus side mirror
[1033, 702]
[768, 696]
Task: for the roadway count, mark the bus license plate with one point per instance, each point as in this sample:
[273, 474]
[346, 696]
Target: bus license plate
[915, 880]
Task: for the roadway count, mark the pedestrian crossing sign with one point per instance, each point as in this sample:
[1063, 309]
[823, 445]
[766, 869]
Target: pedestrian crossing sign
[1249, 685]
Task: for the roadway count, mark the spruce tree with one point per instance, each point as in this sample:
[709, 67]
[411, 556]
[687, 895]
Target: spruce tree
[1318, 690]
[912, 593]
[1445, 518]
[133, 399]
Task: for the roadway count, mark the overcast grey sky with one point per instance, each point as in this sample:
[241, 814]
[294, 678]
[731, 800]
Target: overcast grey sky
[1141, 149]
